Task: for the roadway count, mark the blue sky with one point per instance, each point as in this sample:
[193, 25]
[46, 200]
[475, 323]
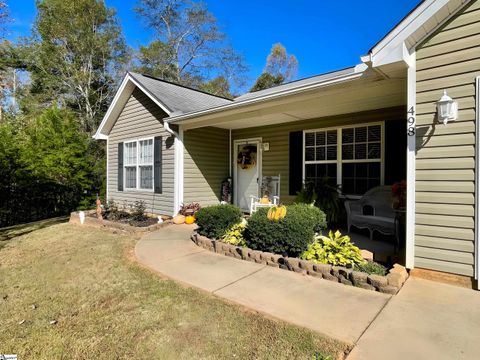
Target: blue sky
[323, 35]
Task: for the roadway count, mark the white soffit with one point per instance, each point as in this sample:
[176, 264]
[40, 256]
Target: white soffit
[414, 28]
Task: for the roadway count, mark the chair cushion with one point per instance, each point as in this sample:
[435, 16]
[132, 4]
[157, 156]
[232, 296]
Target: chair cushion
[380, 223]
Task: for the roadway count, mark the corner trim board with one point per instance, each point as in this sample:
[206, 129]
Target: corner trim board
[477, 180]
[106, 175]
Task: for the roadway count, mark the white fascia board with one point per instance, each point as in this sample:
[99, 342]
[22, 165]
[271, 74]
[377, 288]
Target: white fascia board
[98, 136]
[120, 92]
[123, 93]
[392, 48]
[359, 71]
[392, 43]
[153, 98]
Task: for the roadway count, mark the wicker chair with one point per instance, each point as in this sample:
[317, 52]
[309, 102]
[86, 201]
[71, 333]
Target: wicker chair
[373, 212]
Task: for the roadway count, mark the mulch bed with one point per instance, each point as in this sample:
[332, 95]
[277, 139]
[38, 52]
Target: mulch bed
[123, 223]
[124, 218]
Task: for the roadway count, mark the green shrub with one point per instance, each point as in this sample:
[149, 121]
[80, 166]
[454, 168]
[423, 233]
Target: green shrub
[333, 249]
[234, 235]
[324, 194]
[307, 195]
[371, 268]
[214, 221]
[313, 214]
[138, 210]
[289, 235]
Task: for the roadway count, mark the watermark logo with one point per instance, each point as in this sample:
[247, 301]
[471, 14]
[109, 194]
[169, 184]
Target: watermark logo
[8, 357]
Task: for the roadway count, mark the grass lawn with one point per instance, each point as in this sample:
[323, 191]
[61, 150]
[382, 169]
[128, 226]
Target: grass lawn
[108, 307]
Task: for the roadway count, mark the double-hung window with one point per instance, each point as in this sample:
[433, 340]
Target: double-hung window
[350, 157]
[138, 164]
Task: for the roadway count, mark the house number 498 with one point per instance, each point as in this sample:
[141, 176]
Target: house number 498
[411, 122]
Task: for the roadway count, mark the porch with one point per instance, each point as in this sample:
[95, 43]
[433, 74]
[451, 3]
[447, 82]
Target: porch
[352, 134]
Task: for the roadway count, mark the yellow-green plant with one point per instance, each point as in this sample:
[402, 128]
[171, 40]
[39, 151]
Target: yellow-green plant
[334, 249]
[234, 235]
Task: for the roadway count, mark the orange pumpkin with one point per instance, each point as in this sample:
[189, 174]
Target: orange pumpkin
[178, 219]
[190, 219]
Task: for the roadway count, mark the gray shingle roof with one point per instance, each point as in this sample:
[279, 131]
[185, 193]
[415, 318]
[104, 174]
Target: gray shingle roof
[178, 99]
[296, 84]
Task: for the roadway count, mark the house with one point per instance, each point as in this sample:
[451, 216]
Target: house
[371, 124]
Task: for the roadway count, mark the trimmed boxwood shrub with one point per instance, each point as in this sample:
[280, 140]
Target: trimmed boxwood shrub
[288, 236]
[214, 220]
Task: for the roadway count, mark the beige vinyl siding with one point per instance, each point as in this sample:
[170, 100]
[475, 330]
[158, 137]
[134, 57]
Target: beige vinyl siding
[276, 160]
[205, 164]
[141, 118]
[445, 166]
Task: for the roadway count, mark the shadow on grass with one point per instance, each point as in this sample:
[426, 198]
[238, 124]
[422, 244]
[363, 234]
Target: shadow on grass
[10, 232]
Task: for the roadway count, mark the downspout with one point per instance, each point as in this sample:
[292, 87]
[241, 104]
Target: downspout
[167, 127]
[177, 166]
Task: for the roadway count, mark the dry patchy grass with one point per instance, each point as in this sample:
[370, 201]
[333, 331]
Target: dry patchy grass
[108, 307]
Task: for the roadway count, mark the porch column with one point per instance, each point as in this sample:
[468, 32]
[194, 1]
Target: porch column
[411, 154]
[178, 171]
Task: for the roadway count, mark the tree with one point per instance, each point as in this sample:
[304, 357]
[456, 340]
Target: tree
[218, 86]
[4, 18]
[280, 68]
[189, 48]
[5, 70]
[56, 150]
[267, 80]
[46, 166]
[75, 57]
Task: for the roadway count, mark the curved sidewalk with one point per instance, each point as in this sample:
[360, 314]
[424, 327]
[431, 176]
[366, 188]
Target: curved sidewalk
[425, 320]
[339, 311]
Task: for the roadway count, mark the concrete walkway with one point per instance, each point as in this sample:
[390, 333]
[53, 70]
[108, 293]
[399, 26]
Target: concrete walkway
[425, 320]
[339, 311]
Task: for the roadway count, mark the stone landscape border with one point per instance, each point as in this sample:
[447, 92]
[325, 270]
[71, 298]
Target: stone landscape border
[389, 284]
[93, 221]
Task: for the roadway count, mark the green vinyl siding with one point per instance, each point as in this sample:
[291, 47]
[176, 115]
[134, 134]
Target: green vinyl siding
[276, 160]
[445, 166]
[205, 164]
[141, 118]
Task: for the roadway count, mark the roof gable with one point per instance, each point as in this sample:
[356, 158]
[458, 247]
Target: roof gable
[171, 98]
[179, 99]
[422, 21]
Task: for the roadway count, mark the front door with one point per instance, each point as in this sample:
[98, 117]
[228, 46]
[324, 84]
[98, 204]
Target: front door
[247, 165]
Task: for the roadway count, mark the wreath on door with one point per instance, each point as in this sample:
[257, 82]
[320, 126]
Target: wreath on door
[247, 157]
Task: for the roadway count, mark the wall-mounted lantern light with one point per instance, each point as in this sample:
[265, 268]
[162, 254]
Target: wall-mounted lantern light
[447, 109]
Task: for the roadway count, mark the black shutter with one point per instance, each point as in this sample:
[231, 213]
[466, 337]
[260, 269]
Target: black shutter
[295, 162]
[120, 167]
[157, 164]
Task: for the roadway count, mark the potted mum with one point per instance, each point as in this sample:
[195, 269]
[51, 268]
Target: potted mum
[399, 194]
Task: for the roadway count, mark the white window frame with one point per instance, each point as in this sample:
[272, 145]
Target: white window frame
[339, 161]
[138, 165]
